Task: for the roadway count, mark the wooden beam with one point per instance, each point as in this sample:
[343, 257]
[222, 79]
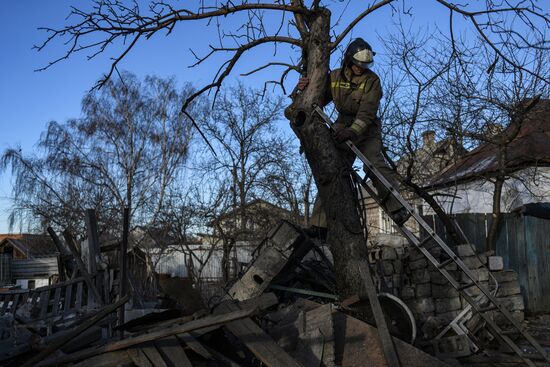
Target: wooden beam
[64, 255]
[123, 263]
[255, 339]
[129, 342]
[172, 352]
[52, 347]
[93, 240]
[383, 331]
[83, 271]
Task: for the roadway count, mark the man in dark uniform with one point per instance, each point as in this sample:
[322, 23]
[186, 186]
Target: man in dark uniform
[356, 92]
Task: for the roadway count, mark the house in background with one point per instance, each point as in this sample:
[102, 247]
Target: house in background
[524, 231]
[466, 186]
[426, 161]
[27, 260]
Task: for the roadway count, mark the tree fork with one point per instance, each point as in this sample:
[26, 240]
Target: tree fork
[331, 173]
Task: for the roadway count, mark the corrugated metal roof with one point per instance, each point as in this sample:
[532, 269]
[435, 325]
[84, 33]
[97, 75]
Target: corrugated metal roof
[530, 147]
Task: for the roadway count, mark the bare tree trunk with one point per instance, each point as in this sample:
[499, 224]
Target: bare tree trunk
[345, 235]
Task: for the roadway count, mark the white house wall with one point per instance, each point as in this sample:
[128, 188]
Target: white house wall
[530, 185]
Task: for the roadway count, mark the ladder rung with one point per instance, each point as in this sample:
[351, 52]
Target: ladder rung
[424, 241]
[509, 332]
[446, 262]
[385, 198]
[466, 286]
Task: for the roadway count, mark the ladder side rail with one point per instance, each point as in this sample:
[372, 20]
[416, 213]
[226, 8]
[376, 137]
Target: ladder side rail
[456, 284]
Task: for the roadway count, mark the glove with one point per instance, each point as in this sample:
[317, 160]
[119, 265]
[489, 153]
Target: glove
[344, 134]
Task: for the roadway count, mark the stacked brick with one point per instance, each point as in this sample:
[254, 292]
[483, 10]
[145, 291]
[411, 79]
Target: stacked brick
[406, 273]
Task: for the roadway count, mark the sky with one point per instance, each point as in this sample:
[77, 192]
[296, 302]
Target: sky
[30, 99]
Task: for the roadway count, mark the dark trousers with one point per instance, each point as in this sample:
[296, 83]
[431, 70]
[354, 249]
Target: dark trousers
[370, 144]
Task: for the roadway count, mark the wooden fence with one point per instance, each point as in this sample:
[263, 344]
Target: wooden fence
[524, 244]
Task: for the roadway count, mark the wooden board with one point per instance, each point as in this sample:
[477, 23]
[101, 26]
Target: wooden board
[138, 357]
[172, 352]
[129, 342]
[259, 343]
[113, 359]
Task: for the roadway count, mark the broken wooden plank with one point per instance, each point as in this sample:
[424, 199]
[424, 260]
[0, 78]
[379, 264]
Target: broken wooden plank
[138, 357]
[65, 258]
[16, 298]
[226, 361]
[316, 337]
[44, 302]
[83, 271]
[5, 302]
[383, 330]
[358, 342]
[122, 344]
[172, 352]
[68, 298]
[56, 300]
[271, 260]
[78, 300]
[123, 261]
[52, 347]
[113, 359]
[194, 345]
[255, 339]
[153, 354]
[92, 241]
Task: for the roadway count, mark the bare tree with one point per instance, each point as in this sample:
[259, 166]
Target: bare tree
[311, 33]
[126, 151]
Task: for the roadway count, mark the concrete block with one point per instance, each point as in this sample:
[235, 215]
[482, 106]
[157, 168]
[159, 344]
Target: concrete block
[474, 262]
[465, 250]
[388, 280]
[475, 291]
[501, 321]
[388, 253]
[415, 254]
[505, 276]
[437, 278]
[513, 303]
[444, 291]
[447, 317]
[481, 275]
[496, 263]
[508, 289]
[422, 306]
[397, 266]
[443, 305]
[420, 276]
[396, 280]
[418, 264]
[386, 267]
[423, 290]
[407, 292]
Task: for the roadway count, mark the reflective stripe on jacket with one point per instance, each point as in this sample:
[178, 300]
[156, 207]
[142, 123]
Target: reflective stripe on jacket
[356, 98]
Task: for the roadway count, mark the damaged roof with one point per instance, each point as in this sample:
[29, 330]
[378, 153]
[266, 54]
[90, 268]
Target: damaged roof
[530, 147]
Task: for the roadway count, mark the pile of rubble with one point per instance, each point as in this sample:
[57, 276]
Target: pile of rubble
[280, 312]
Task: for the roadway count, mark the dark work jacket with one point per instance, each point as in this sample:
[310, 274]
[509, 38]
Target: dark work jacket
[356, 98]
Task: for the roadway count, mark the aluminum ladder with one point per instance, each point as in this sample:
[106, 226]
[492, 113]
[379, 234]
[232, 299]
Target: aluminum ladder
[490, 304]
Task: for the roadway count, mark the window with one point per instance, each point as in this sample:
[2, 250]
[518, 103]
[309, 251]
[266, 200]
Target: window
[31, 284]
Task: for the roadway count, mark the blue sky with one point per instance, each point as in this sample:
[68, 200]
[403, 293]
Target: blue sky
[29, 99]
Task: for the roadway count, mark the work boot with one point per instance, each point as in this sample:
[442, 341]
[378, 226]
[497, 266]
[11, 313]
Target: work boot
[315, 232]
[400, 216]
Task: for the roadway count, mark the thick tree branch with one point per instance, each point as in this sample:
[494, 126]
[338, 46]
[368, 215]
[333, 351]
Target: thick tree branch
[342, 35]
[231, 63]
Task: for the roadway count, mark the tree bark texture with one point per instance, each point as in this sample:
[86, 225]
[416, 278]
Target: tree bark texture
[331, 173]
